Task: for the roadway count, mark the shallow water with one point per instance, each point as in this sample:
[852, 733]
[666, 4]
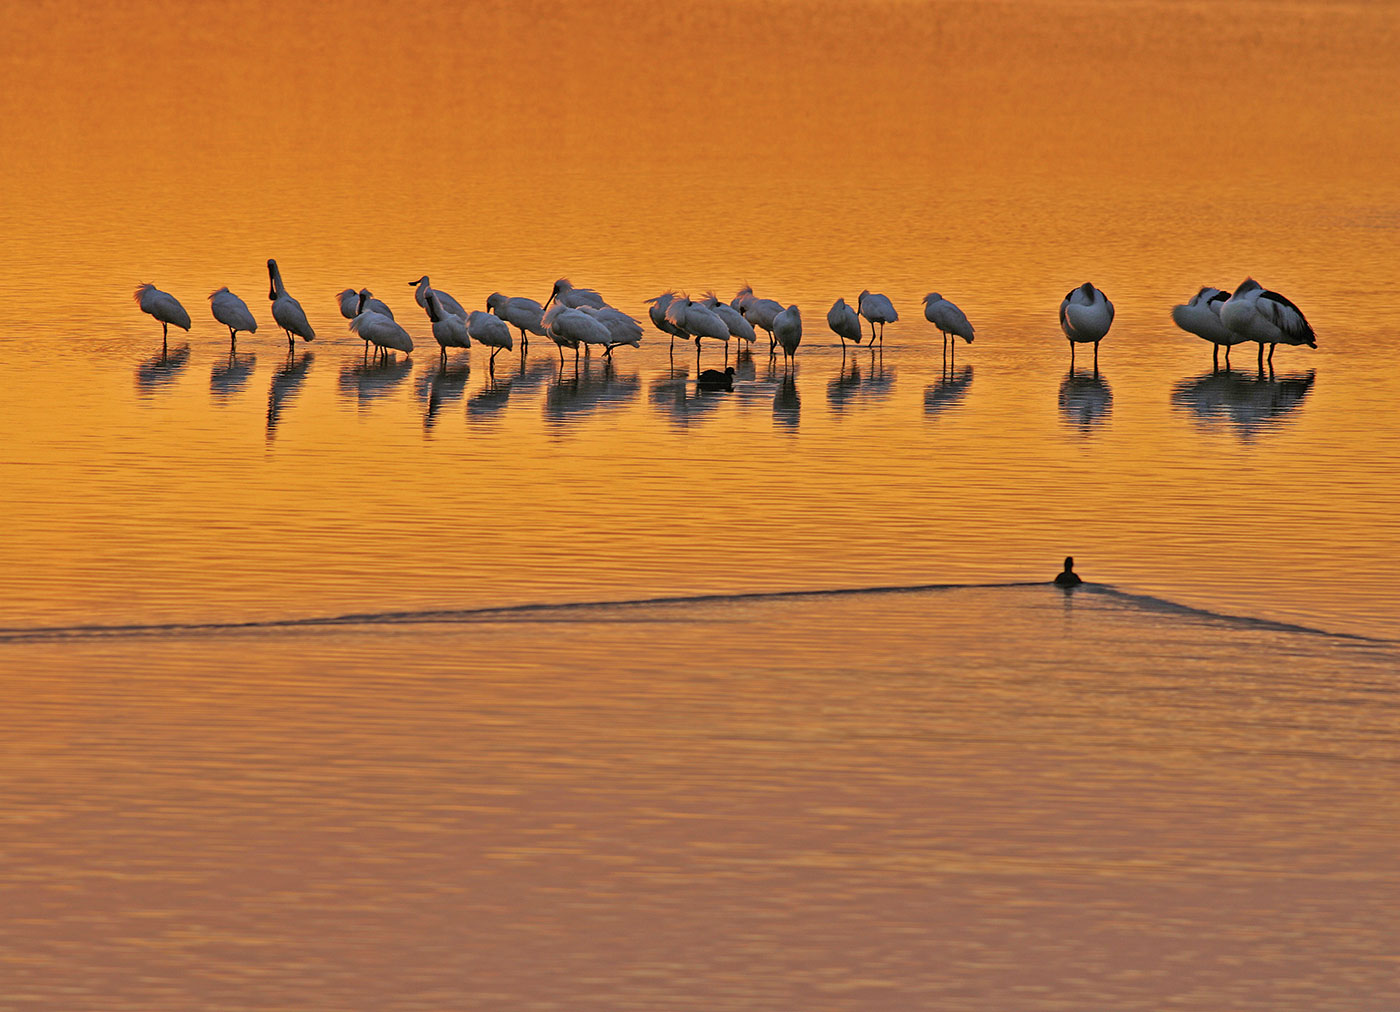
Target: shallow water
[274, 736]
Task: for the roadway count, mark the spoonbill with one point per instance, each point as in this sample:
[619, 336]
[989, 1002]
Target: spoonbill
[286, 310]
[1266, 317]
[568, 328]
[450, 330]
[733, 319]
[948, 318]
[491, 331]
[574, 298]
[449, 304]
[232, 312]
[1201, 316]
[787, 329]
[382, 332]
[621, 328]
[760, 312]
[353, 303]
[1085, 315]
[844, 323]
[657, 311]
[877, 309]
[164, 307]
[525, 315]
[697, 321]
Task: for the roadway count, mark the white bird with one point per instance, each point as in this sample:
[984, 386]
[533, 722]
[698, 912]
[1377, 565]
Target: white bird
[948, 318]
[733, 319]
[697, 321]
[621, 328]
[760, 312]
[1201, 316]
[491, 331]
[382, 332]
[449, 304]
[353, 303]
[844, 323]
[1266, 317]
[877, 309]
[163, 306]
[232, 312]
[525, 315]
[450, 330]
[657, 311]
[574, 298]
[1085, 316]
[787, 329]
[286, 310]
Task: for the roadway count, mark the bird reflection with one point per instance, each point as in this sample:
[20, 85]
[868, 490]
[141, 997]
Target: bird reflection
[851, 386]
[1249, 405]
[587, 389]
[368, 381]
[161, 370]
[446, 383]
[491, 399]
[1085, 399]
[230, 375]
[286, 381]
[787, 406]
[948, 390]
[680, 400]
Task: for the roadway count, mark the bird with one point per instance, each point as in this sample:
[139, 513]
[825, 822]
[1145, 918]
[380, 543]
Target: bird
[568, 328]
[733, 319]
[449, 304]
[525, 315]
[657, 311]
[450, 330]
[787, 329]
[164, 307]
[877, 309]
[621, 328]
[1201, 316]
[844, 323]
[713, 379]
[948, 318]
[697, 321]
[574, 298]
[382, 332]
[1085, 315]
[491, 331]
[1068, 578]
[760, 312]
[353, 303]
[232, 312]
[286, 310]
[1256, 314]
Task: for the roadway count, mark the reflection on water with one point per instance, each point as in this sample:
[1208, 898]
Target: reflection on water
[1085, 400]
[850, 386]
[446, 383]
[161, 371]
[948, 390]
[1249, 405]
[787, 406]
[286, 381]
[681, 401]
[230, 375]
[590, 387]
[366, 381]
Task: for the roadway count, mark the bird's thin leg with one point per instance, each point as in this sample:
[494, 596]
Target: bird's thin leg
[1096, 356]
[491, 365]
[1215, 359]
[1261, 358]
[1071, 356]
[1227, 358]
[1271, 356]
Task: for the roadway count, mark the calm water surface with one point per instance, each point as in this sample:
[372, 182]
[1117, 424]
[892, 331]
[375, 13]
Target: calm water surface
[1174, 787]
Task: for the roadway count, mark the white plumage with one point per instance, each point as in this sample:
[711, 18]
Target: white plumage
[525, 315]
[450, 331]
[1256, 314]
[568, 328]
[733, 319]
[574, 298]
[232, 312]
[760, 312]
[353, 303]
[787, 330]
[1201, 316]
[621, 328]
[382, 332]
[491, 331]
[656, 309]
[163, 306]
[876, 308]
[948, 318]
[449, 304]
[844, 322]
[1085, 316]
[286, 310]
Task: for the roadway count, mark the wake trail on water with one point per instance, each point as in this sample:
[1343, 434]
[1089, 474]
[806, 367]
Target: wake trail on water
[596, 610]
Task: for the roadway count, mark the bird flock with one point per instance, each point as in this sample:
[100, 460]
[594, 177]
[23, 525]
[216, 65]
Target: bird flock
[579, 318]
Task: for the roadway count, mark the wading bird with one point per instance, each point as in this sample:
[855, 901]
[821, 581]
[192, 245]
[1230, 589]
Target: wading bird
[573, 298]
[621, 328]
[570, 328]
[877, 309]
[353, 303]
[733, 319]
[164, 307]
[1256, 314]
[450, 331]
[448, 303]
[844, 323]
[948, 318]
[760, 312]
[1201, 316]
[232, 312]
[525, 315]
[491, 331]
[286, 310]
[382, 332]
[1085, 316]
[656, 309]
[787, 328]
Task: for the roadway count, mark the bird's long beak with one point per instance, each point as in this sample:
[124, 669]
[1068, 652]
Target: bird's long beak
[415, 284]
[549, 300]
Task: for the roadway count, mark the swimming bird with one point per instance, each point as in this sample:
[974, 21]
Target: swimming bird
[232, 312]
[1085, 315]
[948, 318]
[449, 330]
[760, 312]
[449, 304]
[656, 309]
[353, 303]
[525, 315]
[574, 298]
[787, 329]
[713, 379]
[1266, 317]
[1068, 578]
[286, 310]
[877, 309]
[164, 307]
[382, 332]
[621, 328]
[491, 331]
[568, 328]
[844, 323]
[1201, 316]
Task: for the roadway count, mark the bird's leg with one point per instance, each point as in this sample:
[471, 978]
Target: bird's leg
[1071, 356]
[1271, 357]
[1227, 358]
[491, 365]
[1096, 357]
[1215, 359]
[1261, 358]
